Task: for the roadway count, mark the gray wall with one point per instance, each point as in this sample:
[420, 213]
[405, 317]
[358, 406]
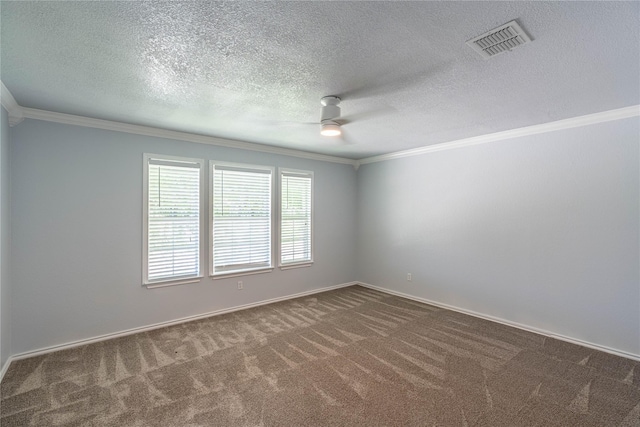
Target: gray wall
[540, 230]
[5, 256]
[77, 232]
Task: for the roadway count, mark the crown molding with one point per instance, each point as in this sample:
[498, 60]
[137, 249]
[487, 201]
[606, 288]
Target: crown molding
[16, 112]
[589, 119]
[70, 119]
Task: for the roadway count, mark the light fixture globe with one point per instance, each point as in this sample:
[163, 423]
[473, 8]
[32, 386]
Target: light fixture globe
[330, 129]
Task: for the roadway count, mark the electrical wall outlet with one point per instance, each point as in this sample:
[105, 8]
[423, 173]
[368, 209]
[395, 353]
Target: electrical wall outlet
[240, 285]
[409, 277]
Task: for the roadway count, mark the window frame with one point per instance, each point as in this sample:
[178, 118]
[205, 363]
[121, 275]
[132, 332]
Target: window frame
[273, 230]
[147, 157]
[296, 264]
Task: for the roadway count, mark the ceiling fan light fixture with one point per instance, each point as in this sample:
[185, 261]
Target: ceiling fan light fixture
[330, 129]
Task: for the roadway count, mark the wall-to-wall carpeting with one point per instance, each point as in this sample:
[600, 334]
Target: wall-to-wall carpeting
[347, 357]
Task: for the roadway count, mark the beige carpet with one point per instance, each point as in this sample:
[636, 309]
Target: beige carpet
[349, 357]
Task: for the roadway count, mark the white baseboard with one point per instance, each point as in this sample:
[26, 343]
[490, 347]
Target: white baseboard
[507, 322]
[132, 331]
[5, 367]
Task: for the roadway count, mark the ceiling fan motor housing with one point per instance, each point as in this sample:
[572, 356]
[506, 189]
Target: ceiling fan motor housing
[330, 109]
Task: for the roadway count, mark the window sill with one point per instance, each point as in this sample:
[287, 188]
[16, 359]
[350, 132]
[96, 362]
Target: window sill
[165, 283]
[240, 273]
[297, 265]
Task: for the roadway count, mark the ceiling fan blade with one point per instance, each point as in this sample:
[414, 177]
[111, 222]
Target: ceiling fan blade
[388, 84]
[367, 115]
[294, 124]
[345, 139]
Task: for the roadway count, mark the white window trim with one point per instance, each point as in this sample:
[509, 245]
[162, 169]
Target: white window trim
[299, 264]
[274, 229]
[237, 273]
[145, 223]
[172, 282]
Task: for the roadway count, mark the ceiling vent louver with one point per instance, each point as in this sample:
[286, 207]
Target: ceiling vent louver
[501, 39]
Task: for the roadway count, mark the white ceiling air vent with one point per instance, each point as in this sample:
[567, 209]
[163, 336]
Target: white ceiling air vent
[501, 39]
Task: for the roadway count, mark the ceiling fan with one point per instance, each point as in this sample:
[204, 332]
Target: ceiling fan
[331, 121]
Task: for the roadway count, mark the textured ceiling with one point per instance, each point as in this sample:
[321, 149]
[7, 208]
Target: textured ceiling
[253, 71]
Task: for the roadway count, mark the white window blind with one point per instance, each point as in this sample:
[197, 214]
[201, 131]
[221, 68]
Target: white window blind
[295, 217]
[173, 219]
[241, 218]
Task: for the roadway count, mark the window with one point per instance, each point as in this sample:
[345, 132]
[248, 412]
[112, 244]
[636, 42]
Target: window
[241, 218]
[172, 219]
[296, 217]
